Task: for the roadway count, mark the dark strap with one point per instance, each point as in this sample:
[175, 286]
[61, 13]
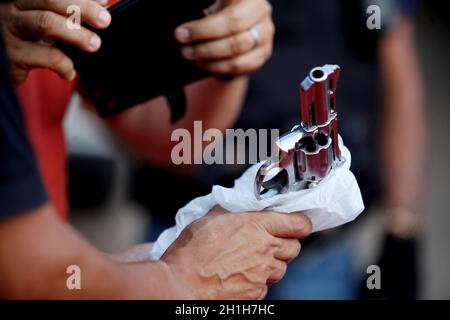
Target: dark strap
[177, 103]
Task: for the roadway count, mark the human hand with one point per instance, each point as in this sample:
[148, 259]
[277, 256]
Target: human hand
[235, 38]
[236, 256]
[30, 26]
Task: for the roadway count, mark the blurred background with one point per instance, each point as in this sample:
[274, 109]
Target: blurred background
[114, 198]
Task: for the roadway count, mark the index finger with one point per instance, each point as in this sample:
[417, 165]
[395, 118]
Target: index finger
[91, 11]
[234, 19]
[284, 225]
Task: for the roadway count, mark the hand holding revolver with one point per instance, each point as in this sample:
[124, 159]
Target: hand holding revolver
[236, 256]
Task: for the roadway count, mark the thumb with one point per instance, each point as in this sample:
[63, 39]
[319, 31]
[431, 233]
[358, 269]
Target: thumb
[285, 225]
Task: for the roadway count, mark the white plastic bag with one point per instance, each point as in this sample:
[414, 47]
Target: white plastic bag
[335, 201]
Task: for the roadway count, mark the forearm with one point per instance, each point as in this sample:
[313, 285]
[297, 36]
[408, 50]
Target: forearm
[403, 127]
[147, 129]
[36, 249]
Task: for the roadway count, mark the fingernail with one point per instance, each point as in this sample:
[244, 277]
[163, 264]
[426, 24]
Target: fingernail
[188, 52]
[183, 34]
[103, 2]
[95, 42]
[104, 17]
[72, 75]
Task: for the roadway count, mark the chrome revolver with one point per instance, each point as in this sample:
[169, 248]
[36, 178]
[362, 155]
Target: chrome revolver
[307, 154]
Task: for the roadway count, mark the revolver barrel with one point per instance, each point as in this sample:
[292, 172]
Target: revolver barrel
[306, 155]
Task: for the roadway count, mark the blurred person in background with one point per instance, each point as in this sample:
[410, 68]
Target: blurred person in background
[381, 118]
[37, 247]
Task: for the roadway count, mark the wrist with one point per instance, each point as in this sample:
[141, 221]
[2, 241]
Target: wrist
[153, 280]
[135, 254]
[177, 282]
[403, 222]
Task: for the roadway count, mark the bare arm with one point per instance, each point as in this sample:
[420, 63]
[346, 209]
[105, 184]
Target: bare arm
[222, 43]
[147, 129]
[36, 249]
[403, 127]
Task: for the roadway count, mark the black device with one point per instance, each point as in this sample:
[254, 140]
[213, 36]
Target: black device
[140, 58]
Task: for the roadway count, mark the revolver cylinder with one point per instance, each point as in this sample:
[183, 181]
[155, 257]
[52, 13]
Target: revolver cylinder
[306, 155]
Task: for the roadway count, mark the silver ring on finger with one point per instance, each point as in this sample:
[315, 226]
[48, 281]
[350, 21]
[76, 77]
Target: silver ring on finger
[256, 36]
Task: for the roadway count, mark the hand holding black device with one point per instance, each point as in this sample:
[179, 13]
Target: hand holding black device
[140, 58]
